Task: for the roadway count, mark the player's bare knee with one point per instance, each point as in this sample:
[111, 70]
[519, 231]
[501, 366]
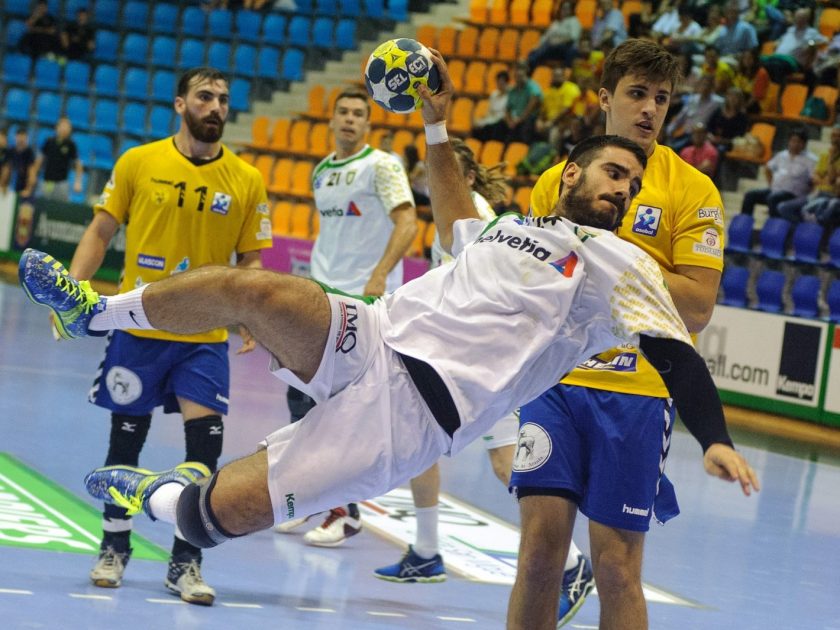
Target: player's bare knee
[615, 574]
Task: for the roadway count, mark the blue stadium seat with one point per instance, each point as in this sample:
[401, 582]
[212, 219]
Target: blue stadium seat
[806, 243]
[293, 65]
[14, 31]
[134, 119]
[191, 53]
[106, 15]
[126, 144]
[326, 7]
[77, 197]
[773, 238]
[304, 7]
[268, 63]
[248, 24]
[164, 18]
[163, 86]
[834, 248]
[805, 294]
[220, 24]
[135, 16]
[83, 146]
[398, 10]
[350, 8]
[106, 80]
[274, 29]
[245, 60]
[102, 149]
[163, 51]
[739, 234]
[135, 49]
[832, 298]
[106, 46]
[41, 137]
[375, 9]
[193, 22]
[16, 69]
[299, 28]
[322, 33]
[72, 6]
[240, 90]
[160, 122]
[47, 75]
[105, 116]
[769, 289]
[345, 34]
[18, 104]
[77, 109]
[47, 108]
[734, 284]
[20, 8]
[77, 77]
[136, 84]
[218, 56]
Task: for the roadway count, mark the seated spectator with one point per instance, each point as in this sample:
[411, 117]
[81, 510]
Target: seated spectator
[523, 105]
[386, 143]
[21, 158]
[57, 155]
[608, 26]
[712, 29]
[753, 80]
[557, 106]
[701, 153]
[588, 63]
[667, 21]
[492, 125]
[729, 121]
[77, 38]
[559, 41]
[767, 18]
[576, 131]
[683, 39]
[41, 35]
[796, 51]
[788, 173]
[698, 108]
[827, 63]
[415, 168]
[716, 67]
[823, 206]
[736, 36]
[588, 106]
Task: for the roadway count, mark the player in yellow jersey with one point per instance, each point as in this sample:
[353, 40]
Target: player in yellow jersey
[187, 201]
[608, 423]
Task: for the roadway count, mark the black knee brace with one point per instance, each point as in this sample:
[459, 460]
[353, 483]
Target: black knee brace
[128, 434]
[204, 440]
[195, 517]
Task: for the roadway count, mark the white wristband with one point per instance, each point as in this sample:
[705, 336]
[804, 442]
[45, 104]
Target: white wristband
[436, 133]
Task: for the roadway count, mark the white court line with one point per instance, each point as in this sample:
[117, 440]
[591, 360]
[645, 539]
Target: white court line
[307, 609]
[462, 619]
[86, 596]
[14, 591]
[234, 605]
[376, 613]
[176, 602]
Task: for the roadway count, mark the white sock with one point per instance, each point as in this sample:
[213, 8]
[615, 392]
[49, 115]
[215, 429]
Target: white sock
[426, 542]
[163, 503]
[121, 312]
[572, 558]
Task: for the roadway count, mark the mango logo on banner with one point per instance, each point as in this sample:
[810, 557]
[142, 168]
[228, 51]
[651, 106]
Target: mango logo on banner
[798, 363]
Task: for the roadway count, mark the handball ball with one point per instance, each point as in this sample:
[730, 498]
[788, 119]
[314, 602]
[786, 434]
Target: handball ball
[395, 69]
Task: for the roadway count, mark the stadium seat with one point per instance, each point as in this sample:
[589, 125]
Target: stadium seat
[281, 218]
[77, 77]
[77, 109]
[478, 11]
[135, 49]
[47, 75]
[474, 78]
[299, 137]
[83, 146]
[834, 249]
[319, 140]
[832, 298]
[240, 95]
[220, 23]
[829, 21]
[460, 116]
[773, 238]
[106, 15]
[268, 63]
[323, 33]
[191, 53]
[446, 39]
[245, 60]
[488, 43]
[218, 56]
[163, 86]
[398, 10]
[135, 16]
[514, 153]
[14, 31]
[248, 24]
[16, 69]
[134, 119]
[519, 10]
[769, 288]
[300, 225]
[281, 177]
[301, 179]
[739, 235]
[105, 116]
[136, 84]
[585, 12]
[427, 35]
[106, 80]
[491, 153]
[260, 137]
[41, 136]
[193, 20]
[280, 134]
[292, 65]
[326, 7]
[345, 34]
[264, 164]
[47, 108]
[160, 122]
[274, 29]
[20, 8]
[73, 196]
[164, 18]
[508, 45]
[528, 41]
[805, 295]
[806, 243]
[467, 42]
[734, 285]
[375, 9]
[299, 27]
[127, 144]
[498, 14]
[102, 148]
[350, 8]
[163, 51]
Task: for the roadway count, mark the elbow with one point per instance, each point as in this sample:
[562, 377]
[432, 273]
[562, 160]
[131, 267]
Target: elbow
[699, 318]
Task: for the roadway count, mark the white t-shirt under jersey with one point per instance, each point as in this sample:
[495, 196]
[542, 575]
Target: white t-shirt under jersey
[525, 300]
[354, 198]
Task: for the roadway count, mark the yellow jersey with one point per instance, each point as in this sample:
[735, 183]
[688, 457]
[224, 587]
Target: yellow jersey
[677, 218]
[180, 215]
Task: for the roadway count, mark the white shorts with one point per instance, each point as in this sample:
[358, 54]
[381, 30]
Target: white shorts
[504, 433]
[370, 432]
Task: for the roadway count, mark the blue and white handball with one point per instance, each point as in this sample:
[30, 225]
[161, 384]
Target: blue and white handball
[395, 69]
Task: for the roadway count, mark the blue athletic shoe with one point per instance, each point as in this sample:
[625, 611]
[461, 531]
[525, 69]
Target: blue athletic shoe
[578, 582]
[130, 487]
[47, 283]
[413, 568]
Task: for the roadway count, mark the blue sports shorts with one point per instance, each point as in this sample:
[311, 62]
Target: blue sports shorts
[140, 374]
[604, 450]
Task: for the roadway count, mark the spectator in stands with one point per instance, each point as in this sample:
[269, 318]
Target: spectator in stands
[41, 36]
[823, 205]
[386, 143]
[587, 63]
[557, 106]
[77, 38]
[57, 155]
[492, 125]
[5, 161]
[716, 67]
[788, 173]
[608, 26]
[769, 21]
[560, 39]
[827, 63]
[415, 168]
[736, 36]
[701, 153]
[575, 132]
[683, 39]
[698, 109]
[753, 80]
[796, 51]
[523, 105]
[21, 158]
[712, 30]
[729, 121]
[667, 22]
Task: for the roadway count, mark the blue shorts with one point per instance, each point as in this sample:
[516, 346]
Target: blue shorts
[604, 450]
[140, 374]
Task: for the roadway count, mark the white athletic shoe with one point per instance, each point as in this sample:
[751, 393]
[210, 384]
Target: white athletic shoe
[338, 527]
[288, 526]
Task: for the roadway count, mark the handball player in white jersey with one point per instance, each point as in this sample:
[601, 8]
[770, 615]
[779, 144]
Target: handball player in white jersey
[420, 373]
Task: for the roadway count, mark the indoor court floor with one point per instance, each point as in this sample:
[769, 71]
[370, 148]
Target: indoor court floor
[727, 562]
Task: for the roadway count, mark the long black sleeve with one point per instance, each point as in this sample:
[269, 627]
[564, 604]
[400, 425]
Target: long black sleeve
[688, 380]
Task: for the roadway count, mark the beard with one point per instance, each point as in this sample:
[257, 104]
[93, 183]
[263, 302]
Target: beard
[579, 207]
[203, 132]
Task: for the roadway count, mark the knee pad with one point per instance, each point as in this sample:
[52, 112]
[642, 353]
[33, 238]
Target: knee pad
[128, 434]
[195, 517]
[204, 438]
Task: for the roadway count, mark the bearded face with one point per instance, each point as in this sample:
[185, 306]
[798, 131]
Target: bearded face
[581, 204]
[208, 129]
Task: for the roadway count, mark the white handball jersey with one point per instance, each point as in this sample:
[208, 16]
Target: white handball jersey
[485, 212]
[525, 300]
[354, 198]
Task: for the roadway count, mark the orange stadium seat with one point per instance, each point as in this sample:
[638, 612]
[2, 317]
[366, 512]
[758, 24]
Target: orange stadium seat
[315, 225]
[315, 102]
[474, 144]
[474, 78]
[301, 223]
[263, 164]
[460, 116]
[281, 177]
[829, 21]
[427, 35]
[331, 100]
[488, 43]
[478, 11]
[541, 12]
[414, 120]
[280, 134]
[628, 8]
[260, 138]
[281, 217]
[378, 115]
[519, 12]
[542, 76]
[765, 132]
[301, 184]
[247, 156]
[299, 137]
[429, 236]
[528, 41]
[513, 155]
[508, 45]
[480, 109]
[446, 41]
[319, 140]
[585, 12]
[467, 42]
[522, 197]
[491, 153]
[829, 95]
[793, 100]
[498, 12]
[457, 67]
[402, 138]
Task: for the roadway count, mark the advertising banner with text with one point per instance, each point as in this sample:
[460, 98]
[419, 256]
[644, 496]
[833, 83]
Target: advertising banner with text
[832, 382]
